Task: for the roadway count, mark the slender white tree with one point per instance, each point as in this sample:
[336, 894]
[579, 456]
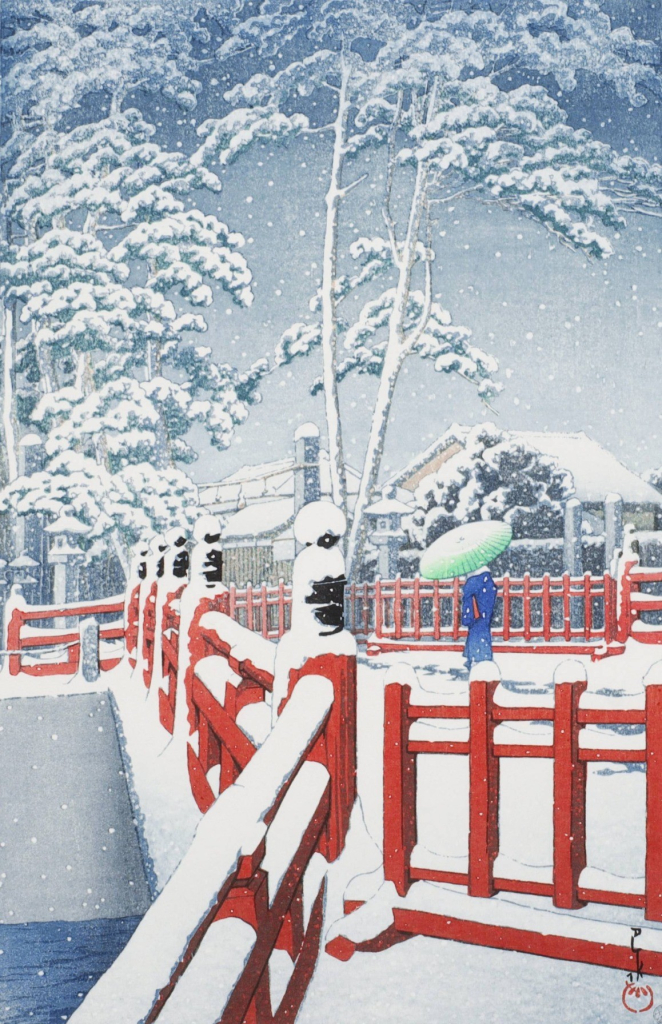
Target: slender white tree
[433, 91]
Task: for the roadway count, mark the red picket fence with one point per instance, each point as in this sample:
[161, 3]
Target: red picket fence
[569, 812]
[532, 614]
[23, 639]
[266, 610]
[542, 613]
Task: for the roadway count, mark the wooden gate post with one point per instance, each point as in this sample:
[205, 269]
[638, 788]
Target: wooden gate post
[336, 748]
[14, 618]
[483, 789]
[653, 904]
[569, 787]
[399, 788]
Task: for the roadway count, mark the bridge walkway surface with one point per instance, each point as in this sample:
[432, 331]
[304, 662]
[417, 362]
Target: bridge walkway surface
[72, 874]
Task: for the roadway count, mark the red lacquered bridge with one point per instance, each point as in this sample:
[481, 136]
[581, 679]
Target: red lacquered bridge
[251, 882]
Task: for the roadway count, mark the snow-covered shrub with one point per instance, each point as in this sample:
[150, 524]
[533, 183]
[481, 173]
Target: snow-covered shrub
[495, 476]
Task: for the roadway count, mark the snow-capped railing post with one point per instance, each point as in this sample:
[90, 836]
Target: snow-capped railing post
[569, 786]
[483, 780]
[613, 529]
[205, 593]
[89, 650]
[399, 788]
[319, 644]
[626, 563]
[653, 891]
[132, 606]
[14, 618]
[173, 583]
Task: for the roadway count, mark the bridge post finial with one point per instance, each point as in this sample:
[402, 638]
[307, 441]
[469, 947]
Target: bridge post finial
[319, 644]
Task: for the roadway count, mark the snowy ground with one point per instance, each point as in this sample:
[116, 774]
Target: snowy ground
[426, 980]
[432, 981]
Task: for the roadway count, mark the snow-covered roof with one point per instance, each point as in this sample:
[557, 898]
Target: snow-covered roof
[596, 471]
[267, 483]
[431, 458]
[387, 506]
[259, 518]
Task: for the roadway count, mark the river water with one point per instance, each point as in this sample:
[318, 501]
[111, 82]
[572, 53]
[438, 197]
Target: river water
[46, 968]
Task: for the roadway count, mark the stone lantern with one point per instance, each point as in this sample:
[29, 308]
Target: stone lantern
[22, 572]
[65, 556]
[388, 535]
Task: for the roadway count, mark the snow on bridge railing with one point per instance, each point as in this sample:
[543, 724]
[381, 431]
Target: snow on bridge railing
[526, 783]
[286, 784]
[247, 885]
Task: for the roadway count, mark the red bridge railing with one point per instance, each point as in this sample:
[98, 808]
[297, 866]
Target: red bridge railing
[241, 891]
[570, 758]
[22, 639]
[532, 614]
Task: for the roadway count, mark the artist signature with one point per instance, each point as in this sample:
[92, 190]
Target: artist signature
[637, 997]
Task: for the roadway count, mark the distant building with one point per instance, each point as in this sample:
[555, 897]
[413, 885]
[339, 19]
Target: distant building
[258, 504]
[595, 470]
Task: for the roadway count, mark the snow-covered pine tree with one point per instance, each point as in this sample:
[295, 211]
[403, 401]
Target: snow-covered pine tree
[104, 244]
[432, 90]
[495, 475]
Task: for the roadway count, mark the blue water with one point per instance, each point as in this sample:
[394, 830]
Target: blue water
[47, 968]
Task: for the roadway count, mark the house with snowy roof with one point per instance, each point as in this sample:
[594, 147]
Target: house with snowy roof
[595, 470]
[258, 503]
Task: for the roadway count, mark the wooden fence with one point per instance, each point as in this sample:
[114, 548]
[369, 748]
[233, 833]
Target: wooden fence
[542, 613]
[22, 639]
[267, 610]
[570, 760]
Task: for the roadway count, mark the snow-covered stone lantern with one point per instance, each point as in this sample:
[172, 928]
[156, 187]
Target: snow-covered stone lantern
[21, 570]
[388, 535]
[65, 556]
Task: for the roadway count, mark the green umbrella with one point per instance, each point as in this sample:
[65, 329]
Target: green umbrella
[464, 549]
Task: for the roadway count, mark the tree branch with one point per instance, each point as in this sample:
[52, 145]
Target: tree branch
[427, 302]
[390, 173]
[352, 185]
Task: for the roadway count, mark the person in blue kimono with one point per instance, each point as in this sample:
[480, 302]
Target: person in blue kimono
[478, 597]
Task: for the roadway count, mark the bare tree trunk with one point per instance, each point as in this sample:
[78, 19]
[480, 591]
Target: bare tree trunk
[398, 348]
[8, 396]
[331, 403]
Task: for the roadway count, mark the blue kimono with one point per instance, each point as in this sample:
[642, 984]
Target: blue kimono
[478, 599]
